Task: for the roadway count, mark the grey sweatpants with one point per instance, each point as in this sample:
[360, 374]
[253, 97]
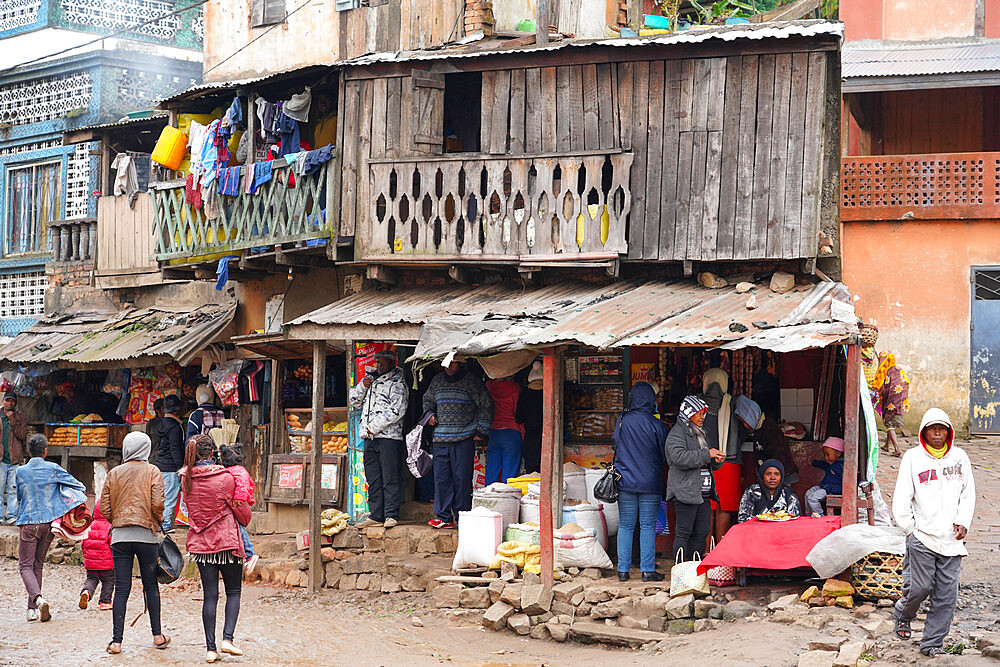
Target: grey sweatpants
[926, 573]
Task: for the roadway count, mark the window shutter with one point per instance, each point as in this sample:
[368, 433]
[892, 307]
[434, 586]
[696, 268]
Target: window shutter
[266, 12]
[344, 5]
[428, 111]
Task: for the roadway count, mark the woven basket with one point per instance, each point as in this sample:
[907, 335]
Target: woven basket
[877, 576]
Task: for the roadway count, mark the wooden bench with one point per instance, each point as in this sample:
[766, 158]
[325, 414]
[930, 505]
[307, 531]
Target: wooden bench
[835, 503]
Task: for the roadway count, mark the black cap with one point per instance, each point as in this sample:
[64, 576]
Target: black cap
[386, 354]
[172, 404]
[10, 394]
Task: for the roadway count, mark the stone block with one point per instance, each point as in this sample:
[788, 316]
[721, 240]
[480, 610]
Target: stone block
[737, 609]
[845, 601]
[558, 631]
[681, 606]
[614, 608]
[390, 584]
[535, 599]
[584, 609]
[781, 282]
[877, 627]
[836, 588]
[413, 584]
[334, 572]
[827, 644]
[632, 623]
[564, 592]
[850, 653]
[702, 608]
[784, 602]
[512, 595]
[519, 623]
[577, 600]
[539, 632]
[327, 554]
[363, 580]
[558, 607]
[495, 589]
[680, 626]
[657, 624]
[565, 619]
[744, 287]
[348, 582]
[654, 605]
[477, 597]
[711, 281]
[817, 659]
[448, 596]
[531, 579]
[702, 624]
[400, 545]
[375, 582]
[591, 573]
[809, 593]
[496, 616]
[348, 538]
[490, 574]
[508, 571]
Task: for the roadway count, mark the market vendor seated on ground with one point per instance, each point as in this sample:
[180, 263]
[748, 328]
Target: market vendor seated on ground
[769, 493]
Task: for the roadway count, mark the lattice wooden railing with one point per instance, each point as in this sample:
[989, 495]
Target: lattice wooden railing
[942, 186]
[279, 212]
[528, 208]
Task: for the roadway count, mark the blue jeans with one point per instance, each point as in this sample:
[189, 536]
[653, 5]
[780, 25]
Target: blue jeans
[644, 508]
[453, 479]
[245, 536]
[8, 488]
[171, 491]
[503, 453]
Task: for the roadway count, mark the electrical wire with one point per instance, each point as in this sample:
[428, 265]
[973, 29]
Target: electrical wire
[123, 31]
[239, 50]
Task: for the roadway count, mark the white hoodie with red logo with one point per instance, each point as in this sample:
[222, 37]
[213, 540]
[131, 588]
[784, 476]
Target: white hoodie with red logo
[933, 495]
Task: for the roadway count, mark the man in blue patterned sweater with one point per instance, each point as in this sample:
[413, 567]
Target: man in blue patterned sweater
[462, 414]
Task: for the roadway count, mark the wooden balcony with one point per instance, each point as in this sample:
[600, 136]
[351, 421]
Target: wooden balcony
[286, 209]
[939, 186]
[535, 208]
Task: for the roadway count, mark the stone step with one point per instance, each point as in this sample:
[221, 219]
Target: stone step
[610, 634]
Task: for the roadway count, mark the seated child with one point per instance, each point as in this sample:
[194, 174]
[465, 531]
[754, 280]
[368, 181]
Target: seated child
[769, 493]
[98, 562]
[833, 481]
[233, 461]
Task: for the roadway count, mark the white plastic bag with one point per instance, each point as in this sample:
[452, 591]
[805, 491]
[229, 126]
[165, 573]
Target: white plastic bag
[479, 535]
[580, 550]
[844, 547]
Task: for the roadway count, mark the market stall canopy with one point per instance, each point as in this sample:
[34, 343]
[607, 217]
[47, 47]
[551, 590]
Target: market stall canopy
[488, 320]
[142, 337]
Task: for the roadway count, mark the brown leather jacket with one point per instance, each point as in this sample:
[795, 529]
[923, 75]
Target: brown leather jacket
[133, 496]
[18, 434]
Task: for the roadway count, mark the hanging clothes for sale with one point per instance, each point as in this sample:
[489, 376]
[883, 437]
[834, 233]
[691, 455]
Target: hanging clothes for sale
[250, 381]
[313, 160]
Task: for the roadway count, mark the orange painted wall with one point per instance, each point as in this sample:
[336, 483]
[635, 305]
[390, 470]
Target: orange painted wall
[909, 20]
[911, 279]
[862, 19]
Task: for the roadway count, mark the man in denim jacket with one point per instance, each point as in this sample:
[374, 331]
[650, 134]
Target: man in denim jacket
[45, 492]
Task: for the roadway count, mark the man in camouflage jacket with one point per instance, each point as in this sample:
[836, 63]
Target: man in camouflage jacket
[382, 399]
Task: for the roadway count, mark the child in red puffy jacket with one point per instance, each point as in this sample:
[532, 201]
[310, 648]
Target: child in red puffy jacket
[98, 562]
[233, 461]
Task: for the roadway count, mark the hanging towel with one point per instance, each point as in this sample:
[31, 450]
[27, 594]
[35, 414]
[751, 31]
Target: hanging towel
[192, 191]
[229, 181]
[209, 167]
[262, 174]
[223, 272]
[298, 107]
[289, 129]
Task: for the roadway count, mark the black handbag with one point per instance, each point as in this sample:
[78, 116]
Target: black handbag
[606, 489]
[171, 562]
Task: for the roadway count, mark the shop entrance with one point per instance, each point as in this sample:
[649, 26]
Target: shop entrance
[984, 347]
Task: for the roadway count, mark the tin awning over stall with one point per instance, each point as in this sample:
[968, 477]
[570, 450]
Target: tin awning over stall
[139, 337]
[481, 321]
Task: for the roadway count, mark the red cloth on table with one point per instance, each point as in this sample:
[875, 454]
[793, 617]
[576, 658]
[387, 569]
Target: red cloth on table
[770, 545]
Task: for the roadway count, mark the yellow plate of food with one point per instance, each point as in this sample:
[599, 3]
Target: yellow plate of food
[781, 515]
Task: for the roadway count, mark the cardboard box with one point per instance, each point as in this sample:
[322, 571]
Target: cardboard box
[302, 540]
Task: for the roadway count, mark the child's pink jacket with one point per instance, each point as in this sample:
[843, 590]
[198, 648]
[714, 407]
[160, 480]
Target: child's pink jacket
[244, 484]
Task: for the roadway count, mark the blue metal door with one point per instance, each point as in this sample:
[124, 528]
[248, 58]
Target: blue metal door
[984, 371]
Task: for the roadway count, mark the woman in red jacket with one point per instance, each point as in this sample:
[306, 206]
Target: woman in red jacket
[98, 562]
[213, 539]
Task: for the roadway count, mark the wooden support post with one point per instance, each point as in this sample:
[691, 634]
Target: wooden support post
[316, 464]
[278, 432]
[551, 501]
[852, 405]
[542, 34]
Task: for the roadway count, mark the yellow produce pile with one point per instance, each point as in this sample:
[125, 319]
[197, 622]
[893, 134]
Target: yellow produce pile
[302, 444]
[89, 437]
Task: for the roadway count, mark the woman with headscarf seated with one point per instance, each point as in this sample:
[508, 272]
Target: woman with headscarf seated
[769, 493]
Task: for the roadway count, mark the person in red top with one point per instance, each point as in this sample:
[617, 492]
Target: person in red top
[98, 562]
[213, 539]
[233, 461]
[503, 453]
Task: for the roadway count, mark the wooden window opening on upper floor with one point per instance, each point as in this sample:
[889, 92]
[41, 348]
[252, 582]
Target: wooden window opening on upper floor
[266, 12]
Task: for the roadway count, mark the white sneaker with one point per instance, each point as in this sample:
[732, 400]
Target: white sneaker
[390, 523]
[368, 523]
[32, 615]
[227, 646]
[251, 564]
[817, 515]
[212, 656]
[43, 609]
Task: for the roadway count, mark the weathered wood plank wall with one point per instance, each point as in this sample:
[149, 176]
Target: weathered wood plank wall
[400, 25]
[727, 151]
[124, 237]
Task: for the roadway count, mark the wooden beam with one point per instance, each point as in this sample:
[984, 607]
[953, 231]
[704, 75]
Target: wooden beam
[542, 30]
[852, 404]
[459, 274]
[382, 274]
[296, 259]
[316, 464]
[551, 501]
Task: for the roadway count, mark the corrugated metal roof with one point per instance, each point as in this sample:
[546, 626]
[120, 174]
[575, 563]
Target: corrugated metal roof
[491, 319]
[914, 59]
[152, 335]
[155, 118]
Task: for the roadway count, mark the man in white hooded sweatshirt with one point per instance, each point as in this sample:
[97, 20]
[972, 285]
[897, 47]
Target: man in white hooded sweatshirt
[934, 501]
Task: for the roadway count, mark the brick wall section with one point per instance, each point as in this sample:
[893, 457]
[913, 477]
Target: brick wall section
[69, 274]
[479, 16]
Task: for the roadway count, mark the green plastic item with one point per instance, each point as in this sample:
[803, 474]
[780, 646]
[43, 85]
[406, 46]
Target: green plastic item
[527, 25]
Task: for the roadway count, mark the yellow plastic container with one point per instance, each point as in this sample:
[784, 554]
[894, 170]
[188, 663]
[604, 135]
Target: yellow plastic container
[523, 482]
[170, 148]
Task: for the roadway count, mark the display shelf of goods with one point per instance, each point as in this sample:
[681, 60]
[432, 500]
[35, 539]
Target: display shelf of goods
[71, 435]
[591, 424]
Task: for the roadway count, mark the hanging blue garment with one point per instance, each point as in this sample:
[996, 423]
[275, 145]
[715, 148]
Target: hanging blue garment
[223, 272]
[314, 160]
[261, 174]
[288, 128]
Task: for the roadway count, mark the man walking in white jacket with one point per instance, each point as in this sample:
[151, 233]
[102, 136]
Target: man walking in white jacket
[934, 501]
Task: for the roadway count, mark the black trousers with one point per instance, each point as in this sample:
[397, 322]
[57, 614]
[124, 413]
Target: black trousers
[693, 524]
[531, 452]
[124, 553]
[232, 579]
[106, 578]
[383, 461]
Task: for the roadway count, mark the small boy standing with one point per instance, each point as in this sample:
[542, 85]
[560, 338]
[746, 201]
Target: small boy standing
[98, 562]
[832, 482]
[933, 503]
[233, 461]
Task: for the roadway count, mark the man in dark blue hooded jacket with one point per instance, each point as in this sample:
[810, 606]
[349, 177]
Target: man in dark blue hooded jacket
[638, 441]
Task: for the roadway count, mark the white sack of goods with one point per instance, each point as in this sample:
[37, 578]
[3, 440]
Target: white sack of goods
[480, 532]
[576, 547]
[588, 517]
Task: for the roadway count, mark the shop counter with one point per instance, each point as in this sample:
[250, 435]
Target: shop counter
[766, 545]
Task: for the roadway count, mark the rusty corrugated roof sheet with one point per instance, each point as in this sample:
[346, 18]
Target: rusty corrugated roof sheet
[496, 318]
[879, 59]
[148, 336]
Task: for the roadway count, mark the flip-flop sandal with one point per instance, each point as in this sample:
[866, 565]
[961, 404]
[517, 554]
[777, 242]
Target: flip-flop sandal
[108, 649]
[164, 644]
[902, 628]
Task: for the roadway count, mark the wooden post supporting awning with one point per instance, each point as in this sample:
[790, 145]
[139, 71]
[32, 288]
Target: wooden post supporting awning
[316, 464]
[551, 502]
[852, 406]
